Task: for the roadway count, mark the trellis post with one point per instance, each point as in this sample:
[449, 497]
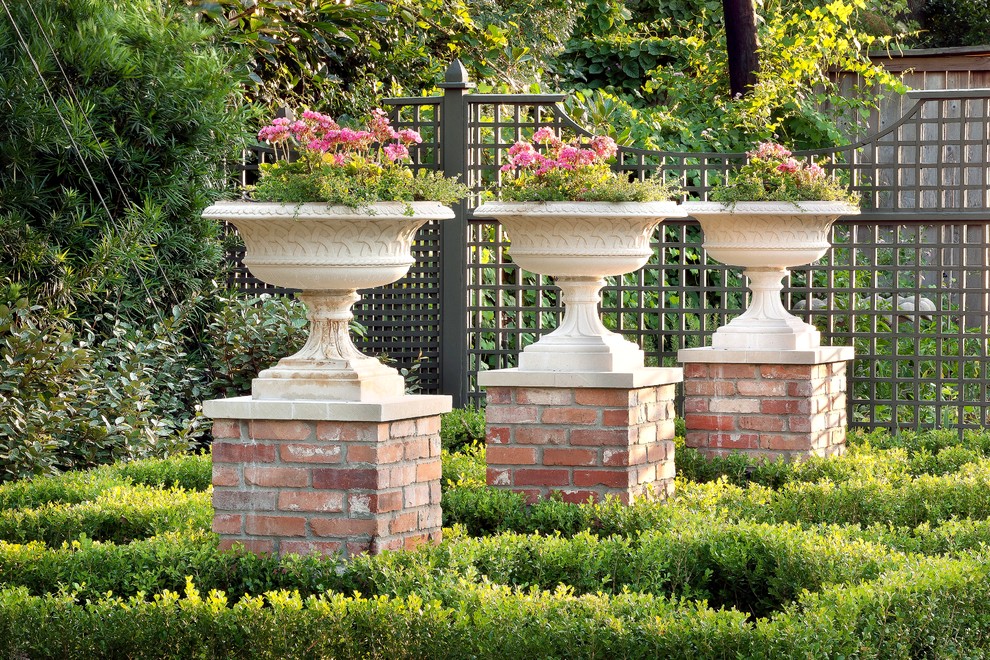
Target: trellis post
[453, 237]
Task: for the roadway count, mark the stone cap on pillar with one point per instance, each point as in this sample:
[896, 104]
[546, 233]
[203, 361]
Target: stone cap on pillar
[820, 355]
[404, 407]
[643, 377]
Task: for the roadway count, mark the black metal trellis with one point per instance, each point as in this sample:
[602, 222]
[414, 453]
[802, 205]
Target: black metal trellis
[907, 283]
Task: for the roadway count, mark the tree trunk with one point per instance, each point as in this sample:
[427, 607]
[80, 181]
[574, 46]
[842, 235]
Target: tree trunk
[740, 41]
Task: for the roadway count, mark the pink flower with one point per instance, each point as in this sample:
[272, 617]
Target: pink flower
[396, 151]
[545, 135]
[520, 147]
[790, 165]
[769, 151]
[524, 159]
[815, 171]
[379, 126]
[569, 154]
[277, 131]
[604, 146]
[409, 136]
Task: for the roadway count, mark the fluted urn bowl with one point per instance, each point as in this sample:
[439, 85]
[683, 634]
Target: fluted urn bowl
[766, 239]
[328, 252]
[579, 244]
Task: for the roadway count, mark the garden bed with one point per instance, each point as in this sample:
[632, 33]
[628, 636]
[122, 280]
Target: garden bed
[880, 553]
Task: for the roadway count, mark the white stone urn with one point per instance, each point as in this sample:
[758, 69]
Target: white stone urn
[328, 252]
[579, 244]
[766, 239]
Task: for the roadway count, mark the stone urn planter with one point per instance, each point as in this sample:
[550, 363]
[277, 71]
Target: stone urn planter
[579, 244]
[328, 252]
[766, 239]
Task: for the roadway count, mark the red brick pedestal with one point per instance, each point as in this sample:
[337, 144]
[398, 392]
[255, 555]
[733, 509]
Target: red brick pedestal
[766, 404]
[362, 484]
[582, 435]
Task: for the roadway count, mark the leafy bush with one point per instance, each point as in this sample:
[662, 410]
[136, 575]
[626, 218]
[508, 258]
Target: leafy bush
[75, 404]
[933, 608]
[661, 68]
[949, 23]
[110, 152]
[464, 468]
[189, 472]
[462, 427]
[247, 335]
[829, 560]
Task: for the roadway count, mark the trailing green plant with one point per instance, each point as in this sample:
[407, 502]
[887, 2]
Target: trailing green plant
[346, 166]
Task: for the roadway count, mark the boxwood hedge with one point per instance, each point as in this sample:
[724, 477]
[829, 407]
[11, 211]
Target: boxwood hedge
[880, 553]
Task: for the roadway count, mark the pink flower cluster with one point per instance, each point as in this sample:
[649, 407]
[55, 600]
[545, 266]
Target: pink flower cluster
[558, 155]
[318, 133]
[771, 152]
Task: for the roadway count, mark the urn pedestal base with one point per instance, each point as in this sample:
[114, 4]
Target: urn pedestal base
[582, 435]
[766, 324]
[766, 404]
[581, 343]
[329, 477]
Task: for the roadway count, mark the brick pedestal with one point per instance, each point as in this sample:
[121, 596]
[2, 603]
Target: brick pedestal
[766, 404]
[582, 435]
[339, 477]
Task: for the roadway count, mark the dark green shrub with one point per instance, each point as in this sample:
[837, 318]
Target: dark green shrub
[246, 335]
[692, 465]
[949, 23]
[462, 427]
[100, 213]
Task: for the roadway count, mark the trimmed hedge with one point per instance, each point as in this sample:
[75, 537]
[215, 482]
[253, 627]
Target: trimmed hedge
[904, 501]
[752, 567]
[835, 558]
[191, 472]
[119, 514]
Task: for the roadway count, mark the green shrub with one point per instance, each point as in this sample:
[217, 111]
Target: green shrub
[463, 468]
[187, 471]
[462, 427]
[72, 403]
[929, 608]
[111, 152]
[246, 335]
[932, 608]
[949, 23]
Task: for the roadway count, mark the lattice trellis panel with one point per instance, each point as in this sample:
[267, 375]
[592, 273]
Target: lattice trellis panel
[906, 283]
